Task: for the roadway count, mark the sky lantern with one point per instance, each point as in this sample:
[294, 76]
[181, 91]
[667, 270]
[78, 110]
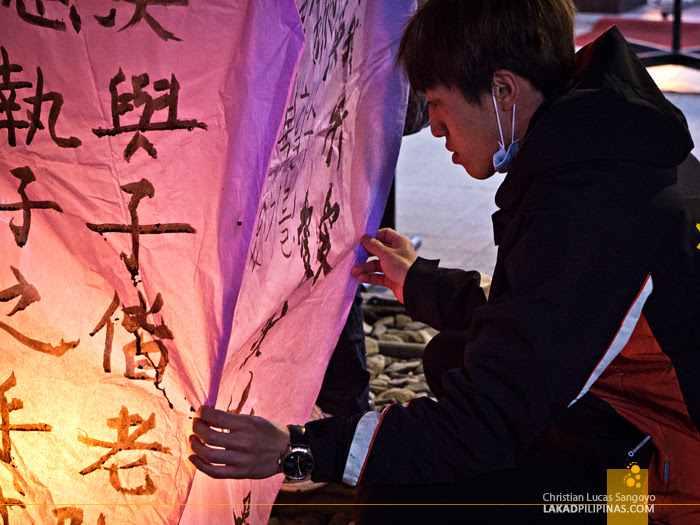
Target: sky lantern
[182, 192]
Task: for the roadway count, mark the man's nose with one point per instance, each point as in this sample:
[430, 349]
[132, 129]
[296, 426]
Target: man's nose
[437, 128]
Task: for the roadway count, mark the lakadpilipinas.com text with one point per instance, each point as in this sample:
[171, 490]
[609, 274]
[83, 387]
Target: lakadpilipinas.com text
[598, 503]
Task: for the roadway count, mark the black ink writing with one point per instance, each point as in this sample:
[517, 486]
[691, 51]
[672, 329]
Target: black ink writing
[73, 516]
[6, 504]
[138, 191]
[338, 115]
[135, 320]
[21, 232]
[331, 212]
[140, 13]
[303, 233]
[45, 348]
[9, 105]
[272, 321]
[125, 441]
[123, 103]
[245, 514]
[7, 406]
[244, 398]
[287, 216]
[26, 292]
[297, 125]
[107, 323]
[137, 353]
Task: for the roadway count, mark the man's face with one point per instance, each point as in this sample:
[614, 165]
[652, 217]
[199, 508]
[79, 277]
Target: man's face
[470, 130]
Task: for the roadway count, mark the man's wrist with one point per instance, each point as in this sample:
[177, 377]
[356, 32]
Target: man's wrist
[297, 461]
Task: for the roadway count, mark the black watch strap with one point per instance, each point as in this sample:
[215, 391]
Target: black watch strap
[298, 436]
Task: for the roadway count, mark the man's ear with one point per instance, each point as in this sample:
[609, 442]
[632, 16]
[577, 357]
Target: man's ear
[506, 88]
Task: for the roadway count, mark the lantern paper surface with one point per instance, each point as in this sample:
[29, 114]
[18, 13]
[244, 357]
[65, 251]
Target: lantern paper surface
[182, 191]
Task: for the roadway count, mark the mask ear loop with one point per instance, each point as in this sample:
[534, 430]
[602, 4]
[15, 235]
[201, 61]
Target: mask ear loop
[498, 119]
[512, 129]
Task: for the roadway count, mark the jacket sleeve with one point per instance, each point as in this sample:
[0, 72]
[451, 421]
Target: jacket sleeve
[442, 298]
[566, 290]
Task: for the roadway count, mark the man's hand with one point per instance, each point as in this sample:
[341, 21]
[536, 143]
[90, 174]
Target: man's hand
[236, 446]
[395, 255]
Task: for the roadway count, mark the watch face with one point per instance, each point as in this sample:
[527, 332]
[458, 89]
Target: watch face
[298, 464]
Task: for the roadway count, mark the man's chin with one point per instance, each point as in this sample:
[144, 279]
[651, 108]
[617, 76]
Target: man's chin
[481, 174]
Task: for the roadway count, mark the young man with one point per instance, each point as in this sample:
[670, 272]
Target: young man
[586, 354]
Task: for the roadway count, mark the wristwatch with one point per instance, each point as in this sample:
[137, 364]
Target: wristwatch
[296, 462]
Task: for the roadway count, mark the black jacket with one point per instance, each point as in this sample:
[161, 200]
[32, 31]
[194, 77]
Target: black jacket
[596, 292]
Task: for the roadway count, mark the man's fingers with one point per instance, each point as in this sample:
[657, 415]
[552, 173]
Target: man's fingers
[217, 418]
[211, 436]
[376, 279]
[217, 471]
[373, 266]
[374, 246]
[224, 420]
[219, 456]
[391, 238]
[235, 457]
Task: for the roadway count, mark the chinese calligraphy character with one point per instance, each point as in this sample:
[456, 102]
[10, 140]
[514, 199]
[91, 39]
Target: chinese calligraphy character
[9, 105]
[39, 19]
[126, 102]
[286, 217]
[296, 118]
[45, 348]
[26, 292]
[267, 217]
[74, 514]
[303, 234]
[329, 217]
[5, 427]
[29, 294]
[287, 127]
[141, 13]
[106, 323]
[255, 349]
[244, 398]
[138, 190]
[256, 250]
[108, 20]
[330, 15]
[306, 8]
[135, 320]
[6, 504]
[348, 44]
[245, 514]
[336, 122]
[26, 177]
[125, 441]
[337, 30]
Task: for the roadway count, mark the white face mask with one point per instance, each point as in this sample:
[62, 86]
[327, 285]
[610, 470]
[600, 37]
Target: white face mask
[503, 157]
